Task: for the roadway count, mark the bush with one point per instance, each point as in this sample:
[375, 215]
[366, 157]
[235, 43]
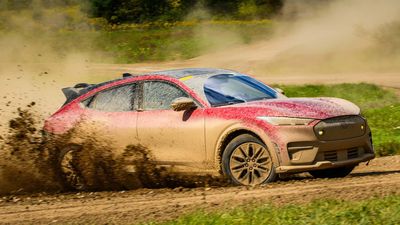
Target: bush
[139, 11]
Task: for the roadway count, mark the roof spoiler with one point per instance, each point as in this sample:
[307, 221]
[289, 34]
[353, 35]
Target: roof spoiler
[72, 93]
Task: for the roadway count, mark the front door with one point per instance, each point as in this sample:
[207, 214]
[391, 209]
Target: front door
[173, 138]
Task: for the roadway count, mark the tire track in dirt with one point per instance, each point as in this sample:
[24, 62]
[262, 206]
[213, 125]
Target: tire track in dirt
[381, 178]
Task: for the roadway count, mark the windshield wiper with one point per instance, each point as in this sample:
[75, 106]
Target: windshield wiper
[235, 101]
[261, 98]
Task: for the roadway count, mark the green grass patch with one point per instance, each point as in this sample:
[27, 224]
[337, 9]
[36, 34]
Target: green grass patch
[152, 43]
[385, 126]
[366, 96]
[178, 41]
[381, 108]
[373, 211]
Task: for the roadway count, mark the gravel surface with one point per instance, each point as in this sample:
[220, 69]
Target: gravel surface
[380, 178]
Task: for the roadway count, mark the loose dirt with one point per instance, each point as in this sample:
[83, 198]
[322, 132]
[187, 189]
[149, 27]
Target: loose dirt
[380, 178]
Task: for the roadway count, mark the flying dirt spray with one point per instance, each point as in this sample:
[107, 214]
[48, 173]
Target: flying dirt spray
[32, 161]
[311, 37]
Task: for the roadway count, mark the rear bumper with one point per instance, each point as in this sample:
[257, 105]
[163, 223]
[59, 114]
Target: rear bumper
[323, 165]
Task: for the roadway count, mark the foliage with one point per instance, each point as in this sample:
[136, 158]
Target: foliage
[141, 11]
[137, 11]
[26, 4]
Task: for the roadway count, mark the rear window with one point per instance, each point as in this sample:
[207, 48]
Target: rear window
[225, 89]
[117, 99]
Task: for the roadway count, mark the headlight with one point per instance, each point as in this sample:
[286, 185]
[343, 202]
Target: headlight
[285, 121]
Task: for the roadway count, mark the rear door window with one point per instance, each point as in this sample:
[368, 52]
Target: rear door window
[158, 95]
[117, 99]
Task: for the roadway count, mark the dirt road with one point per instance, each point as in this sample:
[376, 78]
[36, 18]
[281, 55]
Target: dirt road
[380, 178]
[388, 79]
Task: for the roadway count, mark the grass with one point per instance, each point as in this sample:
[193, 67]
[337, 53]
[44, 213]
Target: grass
[381, 108]
[366, 96]
[385, 125]
[135, 44]
[67, 30]
[373, 211]
[179, 41]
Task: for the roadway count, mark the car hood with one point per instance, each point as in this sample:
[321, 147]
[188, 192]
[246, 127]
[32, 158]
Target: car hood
[315, 108]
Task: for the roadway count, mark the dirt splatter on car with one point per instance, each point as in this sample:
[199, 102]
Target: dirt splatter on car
[214, 121]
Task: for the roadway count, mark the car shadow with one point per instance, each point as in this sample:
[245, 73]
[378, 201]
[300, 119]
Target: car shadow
[373, 173]
[307, 176]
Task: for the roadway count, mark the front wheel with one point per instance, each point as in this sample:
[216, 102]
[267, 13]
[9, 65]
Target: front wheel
[247, 161]
[333, 172]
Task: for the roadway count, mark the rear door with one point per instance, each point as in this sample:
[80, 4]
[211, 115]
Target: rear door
[112, 113]
[174, 138]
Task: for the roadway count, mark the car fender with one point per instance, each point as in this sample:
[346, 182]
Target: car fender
[246, 128]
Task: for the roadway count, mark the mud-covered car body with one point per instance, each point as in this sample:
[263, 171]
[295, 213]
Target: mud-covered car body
[300, 134]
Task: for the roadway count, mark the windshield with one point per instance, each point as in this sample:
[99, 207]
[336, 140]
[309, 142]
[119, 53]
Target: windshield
[226, 89]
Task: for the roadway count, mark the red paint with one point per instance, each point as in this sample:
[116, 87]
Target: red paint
[246, 113]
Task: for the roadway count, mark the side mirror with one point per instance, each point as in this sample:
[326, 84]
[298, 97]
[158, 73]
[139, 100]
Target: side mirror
[280, 91]
[182, 104]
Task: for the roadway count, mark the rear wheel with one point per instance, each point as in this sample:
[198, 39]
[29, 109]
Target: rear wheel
[69, 167]
[333, 172]
[247, 161]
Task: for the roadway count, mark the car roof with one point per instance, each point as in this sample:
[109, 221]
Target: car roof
[180, 73]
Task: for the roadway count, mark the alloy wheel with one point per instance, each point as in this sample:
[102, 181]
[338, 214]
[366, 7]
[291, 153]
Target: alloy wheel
[250, 163]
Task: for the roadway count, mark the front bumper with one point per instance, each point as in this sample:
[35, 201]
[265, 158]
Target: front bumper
[324, 165]
[300, 150]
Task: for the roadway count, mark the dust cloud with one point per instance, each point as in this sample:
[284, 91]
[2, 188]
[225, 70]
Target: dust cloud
[336, 36]
[320, 37]
[212, 37]
[40, 54]
[312, 41]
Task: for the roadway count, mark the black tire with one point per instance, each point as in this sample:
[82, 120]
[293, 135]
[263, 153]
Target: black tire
[255, 168]
[69, 168]
[333, 172]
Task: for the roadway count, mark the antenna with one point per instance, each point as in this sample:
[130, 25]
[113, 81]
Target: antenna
[125, 75]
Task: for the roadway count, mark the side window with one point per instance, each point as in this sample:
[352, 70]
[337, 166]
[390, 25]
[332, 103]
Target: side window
[117, 99]
[159, 95]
